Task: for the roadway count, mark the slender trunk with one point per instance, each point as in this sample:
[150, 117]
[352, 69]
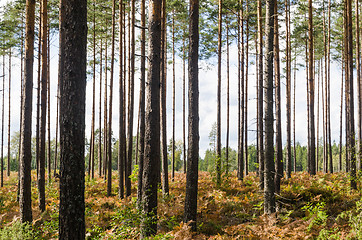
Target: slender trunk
[184, 101]
[48, 107]
[288, 90]
[341, 115]
[278, 120]
[218, 131]
[142, 102]
[329, 89]
[122, 138]
[269, 197]
[100, 112]
[37, 133]
[165, 185]
[351, 98]
[294, 143]
[152, 123]
[92, 145]
[105, 111]
[2, 124]
[227, 98]
[359, 93]
[312, 164]
[9, 115]
[131, 100]
[193, 137]
[318, 85]
[173, 96]
[246, 91]
[260, 97]
[109, 135]
[25, 134]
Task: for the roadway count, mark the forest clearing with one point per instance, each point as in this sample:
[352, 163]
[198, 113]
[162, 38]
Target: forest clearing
[318, 207]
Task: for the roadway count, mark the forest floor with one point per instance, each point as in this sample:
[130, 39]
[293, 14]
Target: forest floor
[319, 207]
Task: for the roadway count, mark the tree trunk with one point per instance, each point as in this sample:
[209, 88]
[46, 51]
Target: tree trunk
[100, 112]
[359, 93]
[246, 91]
[105, 112]
[294, 143]
[25, 134]
[312, 164]
[193, 137]
[122, 138]
[48, 107]
[288, 91]
[9, 115]
[269, 197]
[2, 125]
[227, 98]
[152, 123]
[142, 102]
[184, 101]
[72, 120]
[173, 96]
[260, 98]
[131, 101]
[165, 185]
[43, 107]
[218, 131]
[351, 98]
[278, 119]
[341, 112]
[109, 135]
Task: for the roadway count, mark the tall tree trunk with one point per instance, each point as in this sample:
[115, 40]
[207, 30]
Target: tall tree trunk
[100, 112]
[92, 145]
[341, 111]
[25, 134]
[173, 95]
[329, 89]
[184, 101]
[2, 124]
[122, 137]
[109, 135]
[246, 91]
[131, 100]
[43, 107]
[227, 98]
[351, 98]
[105, 110]
[37, 131]
[278, 119]
[9, 115]
[260, 97]
[218, 126]
[165, 185]
[359, 93]
[193, 137]
[294, 143]
[72, 122]
[269, 197]
[318, 101]
[312, 164]
[152, 123]
[288, 91]
[142, 102]
[48, 107]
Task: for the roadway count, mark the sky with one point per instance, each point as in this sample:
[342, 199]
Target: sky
[207, 96]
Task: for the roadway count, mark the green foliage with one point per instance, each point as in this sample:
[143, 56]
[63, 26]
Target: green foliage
[317, 213]
[18, 231]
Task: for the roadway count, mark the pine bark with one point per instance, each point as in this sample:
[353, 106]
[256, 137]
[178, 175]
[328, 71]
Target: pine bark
[269, 197]
[9, 115]
[278, 120]
[260, 97]
[288, 92]
[25, 134]
[142, 102]
[193, 119]
[312, 162]
[173, 96]
[152, 123]
[72, 120]
[109, 135]
[218, 124]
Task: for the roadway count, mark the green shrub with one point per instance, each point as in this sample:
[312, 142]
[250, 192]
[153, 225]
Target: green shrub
[18, 231]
